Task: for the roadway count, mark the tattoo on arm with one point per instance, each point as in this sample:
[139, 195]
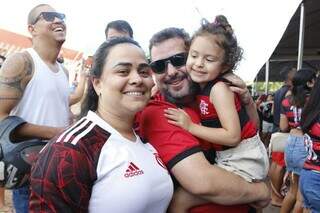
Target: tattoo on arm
[13, 78]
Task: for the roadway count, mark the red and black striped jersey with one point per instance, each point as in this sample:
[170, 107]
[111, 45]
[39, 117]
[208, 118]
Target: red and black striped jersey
[313, 145]
[209, 116]
[292, 113]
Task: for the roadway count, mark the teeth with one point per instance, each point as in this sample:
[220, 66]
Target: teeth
[58, 29]
[134, 93]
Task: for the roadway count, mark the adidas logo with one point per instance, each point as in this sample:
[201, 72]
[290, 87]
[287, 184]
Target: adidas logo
[133, 170]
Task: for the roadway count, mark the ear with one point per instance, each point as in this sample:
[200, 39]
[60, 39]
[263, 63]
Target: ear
[96, 82]
[31, 29]
[225, 68]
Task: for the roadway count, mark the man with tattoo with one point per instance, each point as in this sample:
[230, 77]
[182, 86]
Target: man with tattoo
[34, 86]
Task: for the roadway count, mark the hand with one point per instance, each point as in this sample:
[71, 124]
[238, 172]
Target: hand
[178, 117]
[296, 132]
[238, 86]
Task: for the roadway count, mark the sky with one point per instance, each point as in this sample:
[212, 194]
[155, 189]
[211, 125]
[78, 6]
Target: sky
[258, 24]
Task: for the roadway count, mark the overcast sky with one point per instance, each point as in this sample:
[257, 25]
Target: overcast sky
[258, 24]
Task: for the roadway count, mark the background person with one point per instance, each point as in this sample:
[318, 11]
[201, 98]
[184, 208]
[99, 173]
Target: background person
[290, 117]
[277, 166]
[118, 28]
[34, 86]
[310, 174]
[179, 150]
[99, 164]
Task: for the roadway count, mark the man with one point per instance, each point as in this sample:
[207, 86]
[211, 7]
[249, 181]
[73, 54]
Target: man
[179, 150]
[118, 28]
[34, 86]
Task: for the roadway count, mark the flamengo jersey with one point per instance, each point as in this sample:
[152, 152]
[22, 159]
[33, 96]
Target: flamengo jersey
[313, 144]
[91, 167]
[45, 100]
[292, 113]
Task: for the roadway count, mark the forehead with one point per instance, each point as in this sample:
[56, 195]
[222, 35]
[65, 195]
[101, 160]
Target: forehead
[167, 48]
[116, 33]
[44, 8]
[125, 53]
[207, 44]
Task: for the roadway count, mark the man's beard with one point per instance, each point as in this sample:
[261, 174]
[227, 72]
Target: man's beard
[187, 99]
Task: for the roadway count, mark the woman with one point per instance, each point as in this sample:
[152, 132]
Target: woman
[310, 174]
[290, 117]
[99, 164]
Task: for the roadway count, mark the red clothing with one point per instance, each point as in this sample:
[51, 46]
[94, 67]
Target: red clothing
[313, 159]
[209, 115]
[174, 143]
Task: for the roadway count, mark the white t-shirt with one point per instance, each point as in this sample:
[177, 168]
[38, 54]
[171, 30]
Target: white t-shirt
[104, 172]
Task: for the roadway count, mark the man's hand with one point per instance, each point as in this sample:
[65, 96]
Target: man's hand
[238, 86]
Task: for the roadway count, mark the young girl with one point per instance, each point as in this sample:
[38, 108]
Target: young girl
[213, 52]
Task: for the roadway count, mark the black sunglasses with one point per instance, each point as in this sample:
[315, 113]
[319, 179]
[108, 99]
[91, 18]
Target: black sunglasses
[50, 16]
[178, 60]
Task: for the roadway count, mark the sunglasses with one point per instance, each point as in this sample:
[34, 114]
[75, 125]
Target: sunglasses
[49, 16]
[160, 66]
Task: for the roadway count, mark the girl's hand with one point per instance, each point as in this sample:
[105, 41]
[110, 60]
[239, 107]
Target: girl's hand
[178, 117]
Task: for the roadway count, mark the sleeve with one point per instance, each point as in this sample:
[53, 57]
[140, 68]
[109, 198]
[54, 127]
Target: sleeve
[61, 180]
[172, 143]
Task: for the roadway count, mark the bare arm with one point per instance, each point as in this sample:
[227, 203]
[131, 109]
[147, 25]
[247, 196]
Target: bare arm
[15, 74]
[77, 95]
[284, 123]
[238, 86]
[198, 177]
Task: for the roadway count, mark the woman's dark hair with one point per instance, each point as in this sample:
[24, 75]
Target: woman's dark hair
[311, 111]
[227, 40]
[91, 99]
[300, 89]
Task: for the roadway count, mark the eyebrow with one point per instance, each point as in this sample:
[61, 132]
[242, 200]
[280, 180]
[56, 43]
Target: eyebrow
[126, 64]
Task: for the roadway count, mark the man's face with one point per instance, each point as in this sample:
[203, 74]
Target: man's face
[174, 81]
[48, 25]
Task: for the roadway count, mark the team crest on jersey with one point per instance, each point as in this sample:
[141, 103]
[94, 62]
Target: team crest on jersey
[133, 170]
[204, 107]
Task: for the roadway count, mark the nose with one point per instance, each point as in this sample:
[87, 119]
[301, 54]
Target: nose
[135, 78]
[171, 70]
[199, 62]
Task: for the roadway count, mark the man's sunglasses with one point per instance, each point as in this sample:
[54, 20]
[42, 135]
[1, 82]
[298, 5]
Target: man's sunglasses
[49, 16]
[160, 66]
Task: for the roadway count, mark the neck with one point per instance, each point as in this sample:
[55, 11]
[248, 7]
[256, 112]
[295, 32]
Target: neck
[42, 47]
[123, 124]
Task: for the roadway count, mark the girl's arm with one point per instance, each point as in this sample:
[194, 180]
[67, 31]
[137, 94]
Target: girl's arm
[223, 99]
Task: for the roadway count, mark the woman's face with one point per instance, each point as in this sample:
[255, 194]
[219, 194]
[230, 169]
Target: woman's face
[125, 84]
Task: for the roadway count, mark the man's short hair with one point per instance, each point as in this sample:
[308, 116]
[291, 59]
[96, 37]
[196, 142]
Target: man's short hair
[31, 15]
[168, 33]
[119, 25]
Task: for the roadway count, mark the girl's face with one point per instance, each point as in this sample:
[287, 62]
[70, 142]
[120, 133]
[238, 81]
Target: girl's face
[124, 87]
[205, 59]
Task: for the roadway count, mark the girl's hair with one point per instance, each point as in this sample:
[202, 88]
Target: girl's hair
[226, 39]
[311, 111]
[300, 89]
[99, 59]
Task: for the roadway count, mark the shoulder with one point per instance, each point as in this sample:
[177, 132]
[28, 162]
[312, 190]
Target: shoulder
[18, 65]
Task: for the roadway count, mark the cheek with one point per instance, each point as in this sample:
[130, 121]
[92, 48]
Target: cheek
[149, 82]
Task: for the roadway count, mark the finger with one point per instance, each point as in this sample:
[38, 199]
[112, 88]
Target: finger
[173, 122]
[171, 117]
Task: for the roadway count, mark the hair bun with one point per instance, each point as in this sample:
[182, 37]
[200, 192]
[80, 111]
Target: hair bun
[222, 21]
